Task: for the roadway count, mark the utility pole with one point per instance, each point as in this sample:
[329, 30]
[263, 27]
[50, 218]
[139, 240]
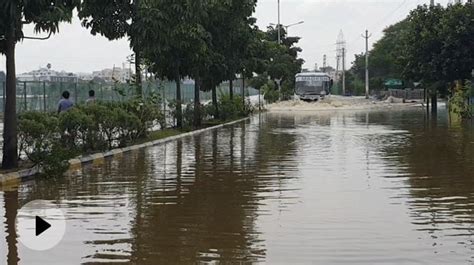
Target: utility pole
[343, 71]
[366, 37]
[341, 45]
[279, 24]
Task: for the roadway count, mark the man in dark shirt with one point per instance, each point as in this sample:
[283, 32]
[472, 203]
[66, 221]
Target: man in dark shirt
[65, 103]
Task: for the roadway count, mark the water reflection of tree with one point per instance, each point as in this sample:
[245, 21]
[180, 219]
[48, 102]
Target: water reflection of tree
[197, 200]
[439, 159]
[98, 185]
[85, 181]
[214, 219]
[439, 164]
[10, 199]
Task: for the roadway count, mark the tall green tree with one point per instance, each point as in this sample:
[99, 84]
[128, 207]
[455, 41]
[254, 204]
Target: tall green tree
[173, 41]
[116, 19]
[437, 46]
[383, 59]
[45, 15]
[282, 59]
[230, 25]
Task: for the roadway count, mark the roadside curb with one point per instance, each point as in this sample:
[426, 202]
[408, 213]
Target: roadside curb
[78, 162]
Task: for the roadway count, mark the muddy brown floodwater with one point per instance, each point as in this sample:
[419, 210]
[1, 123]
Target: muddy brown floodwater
[379, 187]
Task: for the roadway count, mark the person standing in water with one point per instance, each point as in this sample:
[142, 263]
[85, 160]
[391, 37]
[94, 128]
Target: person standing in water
[65, 103]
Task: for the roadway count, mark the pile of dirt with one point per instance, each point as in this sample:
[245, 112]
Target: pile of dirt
[339, 103]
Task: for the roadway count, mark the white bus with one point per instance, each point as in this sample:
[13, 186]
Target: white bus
[312, 86]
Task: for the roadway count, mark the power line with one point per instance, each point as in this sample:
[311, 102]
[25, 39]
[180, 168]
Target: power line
[382, 20]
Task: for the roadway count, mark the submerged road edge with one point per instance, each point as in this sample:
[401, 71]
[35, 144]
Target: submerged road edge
[76, 163]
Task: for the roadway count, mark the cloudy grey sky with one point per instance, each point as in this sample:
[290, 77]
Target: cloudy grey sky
[75, 50]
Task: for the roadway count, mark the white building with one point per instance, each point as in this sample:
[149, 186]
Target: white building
[116, 74]
[85, 76]
[48, 75]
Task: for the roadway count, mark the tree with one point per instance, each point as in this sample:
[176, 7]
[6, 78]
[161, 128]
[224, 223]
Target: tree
[437, 46]
[173, 42]
[282, 59]
[230, 26]
[116, 19]
[14, 14]
[383, 59]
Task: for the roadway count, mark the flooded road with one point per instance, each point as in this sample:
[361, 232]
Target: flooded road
[329, 188]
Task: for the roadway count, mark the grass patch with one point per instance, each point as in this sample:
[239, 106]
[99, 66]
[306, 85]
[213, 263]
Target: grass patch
[157, 135]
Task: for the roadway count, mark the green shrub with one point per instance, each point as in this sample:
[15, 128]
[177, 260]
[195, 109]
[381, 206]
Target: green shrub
[188, 115]
[37, 134]
[287, 90]
[128, 127]
[270, 92]
[208, 112]
[56, 162]
[102, 128]
[148, 113]
[458, 103]
[75, 126]
[41, 141]
[230, 109]
[49, 139]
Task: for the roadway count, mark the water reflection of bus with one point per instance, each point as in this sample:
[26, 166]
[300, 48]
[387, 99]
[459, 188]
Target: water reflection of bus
[312, 86]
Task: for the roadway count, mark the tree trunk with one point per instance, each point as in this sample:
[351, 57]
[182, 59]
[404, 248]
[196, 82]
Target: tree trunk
[10, 141]
[243, 89]
[231, 89]
[179, 109]
[214, 103]
[427, 103]
[138, 73]
[434, 104]
[138, 59]
[197, 104]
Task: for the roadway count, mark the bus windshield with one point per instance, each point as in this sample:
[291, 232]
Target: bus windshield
[311, 84]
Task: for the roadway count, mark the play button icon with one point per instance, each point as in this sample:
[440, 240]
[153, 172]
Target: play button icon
[40, 225]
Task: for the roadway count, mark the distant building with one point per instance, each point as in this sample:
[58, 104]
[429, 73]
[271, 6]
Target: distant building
[85, 76]
[327, 69]
[2, 76]
[116, 74]
[331, 72]
[48, 75]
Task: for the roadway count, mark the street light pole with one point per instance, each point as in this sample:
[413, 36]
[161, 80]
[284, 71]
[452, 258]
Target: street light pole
[286, 28]
[291, 25]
